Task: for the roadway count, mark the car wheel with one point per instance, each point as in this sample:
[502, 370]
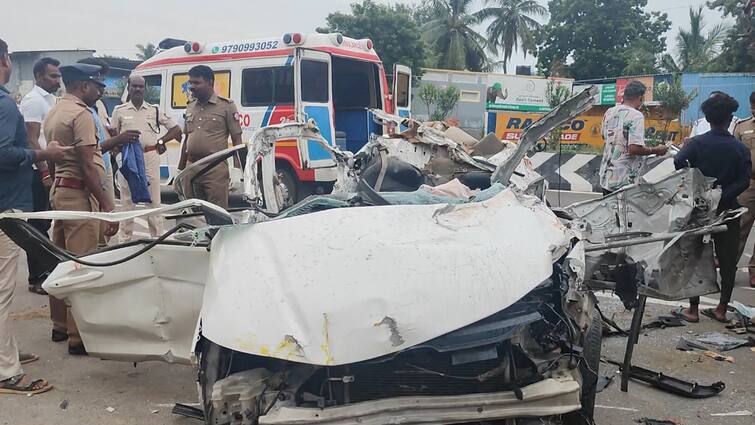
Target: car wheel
[589, 368]
[214, 365]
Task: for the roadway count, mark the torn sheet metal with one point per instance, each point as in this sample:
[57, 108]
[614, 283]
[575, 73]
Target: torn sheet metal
[144, 309]
[540, 128]
[331, 290]
[680, 202]
[122, 215]
[545, 398]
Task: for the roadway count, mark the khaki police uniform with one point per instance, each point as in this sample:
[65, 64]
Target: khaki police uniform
[71, 123]
[208, 127]
[151, 123]
[745, 132]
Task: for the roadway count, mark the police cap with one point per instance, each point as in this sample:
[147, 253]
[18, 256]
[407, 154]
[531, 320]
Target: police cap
[82, 72]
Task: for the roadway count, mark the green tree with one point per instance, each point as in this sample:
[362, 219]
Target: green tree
[595, 36]
[439, 102]
[513, 25]
[145, 51]
[696, 49]
[640, 59]
[674, 99]
[391, 28]
[428, 94]
[450, 34]
[556, 94]
[738, 53]
[446, 102]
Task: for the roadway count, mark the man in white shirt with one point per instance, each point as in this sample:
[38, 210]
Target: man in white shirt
[623, 131]
[702, 126]
[34, 107]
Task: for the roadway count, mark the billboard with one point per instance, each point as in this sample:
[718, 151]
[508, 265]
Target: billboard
[606, 93]
[621, 84]
[519, 93]
[583, 129]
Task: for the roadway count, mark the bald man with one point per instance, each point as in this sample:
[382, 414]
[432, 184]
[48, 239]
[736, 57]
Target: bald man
[155, 128]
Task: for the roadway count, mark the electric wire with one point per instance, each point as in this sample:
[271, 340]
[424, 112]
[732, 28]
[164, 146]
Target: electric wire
[70, 257]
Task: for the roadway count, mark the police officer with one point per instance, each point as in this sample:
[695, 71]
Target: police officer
[210, 120]
[79, 179]
[136, 114]
[745, 132]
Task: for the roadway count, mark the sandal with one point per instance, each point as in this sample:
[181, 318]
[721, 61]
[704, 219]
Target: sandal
[25, 358]
[14, 386]
[679, 314]
[709, 312]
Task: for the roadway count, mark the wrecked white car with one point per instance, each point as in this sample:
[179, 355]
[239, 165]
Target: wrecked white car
[456, 297]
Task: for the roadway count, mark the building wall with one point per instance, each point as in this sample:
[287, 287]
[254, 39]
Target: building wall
[737, 85]
[22, 78]
[470, 110]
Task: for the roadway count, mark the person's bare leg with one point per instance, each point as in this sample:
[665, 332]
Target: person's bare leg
[692, 313]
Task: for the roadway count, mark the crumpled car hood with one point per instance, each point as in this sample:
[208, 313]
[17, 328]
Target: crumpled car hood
[351, 284]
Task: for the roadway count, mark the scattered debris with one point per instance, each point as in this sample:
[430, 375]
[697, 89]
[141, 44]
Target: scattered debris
[625, 409]
[737, 413]
[63, 405]
[648, 421]
[187, 411]
[661, 322]
[603, 383]
[110, 409]
[720, 341]
[744, 310]
[720, 357]
[686, 345]
[671, 384]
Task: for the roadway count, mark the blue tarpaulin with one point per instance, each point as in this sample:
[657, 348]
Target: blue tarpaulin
[133, 170]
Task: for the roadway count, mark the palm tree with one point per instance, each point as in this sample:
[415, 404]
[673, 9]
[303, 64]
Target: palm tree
[449, 32]
[696, 49]
[146, 52]
[513, 25]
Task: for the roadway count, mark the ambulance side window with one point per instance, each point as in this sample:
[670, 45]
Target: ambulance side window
[402, 88]
[154, 87]
[314, 81]
[267, 86]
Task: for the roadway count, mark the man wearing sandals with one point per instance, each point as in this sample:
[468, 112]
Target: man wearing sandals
[16, 173]
[720, 155]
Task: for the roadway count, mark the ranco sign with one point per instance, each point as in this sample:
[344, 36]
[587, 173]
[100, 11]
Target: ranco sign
[585, 129]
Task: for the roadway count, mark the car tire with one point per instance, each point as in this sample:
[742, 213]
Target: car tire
[589, 369]
[214, 365]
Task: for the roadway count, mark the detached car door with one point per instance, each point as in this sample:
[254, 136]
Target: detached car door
[145, 308]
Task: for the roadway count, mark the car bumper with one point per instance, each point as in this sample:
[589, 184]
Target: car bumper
[545, 398]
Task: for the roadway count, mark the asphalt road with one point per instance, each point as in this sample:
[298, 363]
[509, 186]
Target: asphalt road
[91, 391]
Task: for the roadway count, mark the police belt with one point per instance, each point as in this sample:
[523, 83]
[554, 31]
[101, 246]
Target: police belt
[69, 183]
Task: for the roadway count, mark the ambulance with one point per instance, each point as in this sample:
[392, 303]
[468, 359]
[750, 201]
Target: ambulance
[330, 78]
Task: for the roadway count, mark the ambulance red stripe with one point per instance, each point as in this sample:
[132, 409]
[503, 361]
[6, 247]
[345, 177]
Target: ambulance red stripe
[238, 56]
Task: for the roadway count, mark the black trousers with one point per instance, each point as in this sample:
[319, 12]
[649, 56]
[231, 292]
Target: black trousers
[41, 201]
[726, 245]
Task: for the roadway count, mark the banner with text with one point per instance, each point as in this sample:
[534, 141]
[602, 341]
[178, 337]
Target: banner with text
[520, 93]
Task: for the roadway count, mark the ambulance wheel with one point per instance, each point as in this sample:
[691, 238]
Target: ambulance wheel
[288, 184]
